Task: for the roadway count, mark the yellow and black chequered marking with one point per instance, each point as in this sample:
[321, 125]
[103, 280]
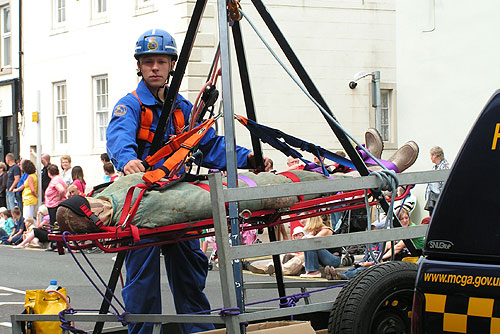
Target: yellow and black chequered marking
[462, 314]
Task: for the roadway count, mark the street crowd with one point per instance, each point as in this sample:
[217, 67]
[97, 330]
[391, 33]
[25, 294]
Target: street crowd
[27, 216]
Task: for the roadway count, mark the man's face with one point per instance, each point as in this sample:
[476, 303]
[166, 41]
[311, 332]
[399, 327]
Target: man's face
[44, 161]
[292, 161]
[155, 69]
[317, 161]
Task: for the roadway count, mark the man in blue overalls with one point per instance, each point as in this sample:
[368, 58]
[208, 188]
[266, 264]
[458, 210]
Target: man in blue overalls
[186, 264]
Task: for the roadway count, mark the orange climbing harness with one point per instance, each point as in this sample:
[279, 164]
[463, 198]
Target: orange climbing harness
[145, 132]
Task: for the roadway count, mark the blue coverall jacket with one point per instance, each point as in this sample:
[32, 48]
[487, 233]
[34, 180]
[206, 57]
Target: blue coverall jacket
[121, 135]
[186, 264]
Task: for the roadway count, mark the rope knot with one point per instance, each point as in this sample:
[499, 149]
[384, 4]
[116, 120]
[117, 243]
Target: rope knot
[292, 300]
[121, 318]
[229, 311]
[66, 324]
[388, 179]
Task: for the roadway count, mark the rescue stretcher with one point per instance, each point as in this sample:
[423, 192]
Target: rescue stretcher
[123, 238]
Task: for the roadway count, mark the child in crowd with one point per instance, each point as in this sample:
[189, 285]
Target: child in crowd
[29, 225]
[8, 223]
[109, 171]
[16, 236]
[42, 216]
[104, 160]
[292, 263]
[2, 220]
[39, 234]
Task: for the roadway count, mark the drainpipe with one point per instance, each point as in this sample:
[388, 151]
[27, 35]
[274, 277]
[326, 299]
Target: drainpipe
[20, 74]
[376, 97]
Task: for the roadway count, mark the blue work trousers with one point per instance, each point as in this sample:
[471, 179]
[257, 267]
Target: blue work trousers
[187, 269]
[322, 256]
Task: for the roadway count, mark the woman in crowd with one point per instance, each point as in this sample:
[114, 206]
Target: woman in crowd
[29, 189]
[400, 250]
[66, 169]
[316, 227]
[55, 192]
[78, 180]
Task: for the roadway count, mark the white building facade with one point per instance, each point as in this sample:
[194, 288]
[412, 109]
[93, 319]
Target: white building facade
[79, 56]
[447, 68]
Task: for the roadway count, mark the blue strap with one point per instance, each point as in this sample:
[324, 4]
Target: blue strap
[272, 137]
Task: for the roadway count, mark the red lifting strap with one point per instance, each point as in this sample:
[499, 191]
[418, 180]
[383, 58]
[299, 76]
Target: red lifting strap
[95, 219]
[206, 187]
[295, 179]
[130, 209]
[178, 148]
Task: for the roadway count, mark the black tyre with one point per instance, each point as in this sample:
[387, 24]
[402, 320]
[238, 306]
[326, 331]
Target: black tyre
[378, 300]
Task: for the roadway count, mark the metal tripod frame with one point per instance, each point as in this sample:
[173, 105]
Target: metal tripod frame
[251, 114]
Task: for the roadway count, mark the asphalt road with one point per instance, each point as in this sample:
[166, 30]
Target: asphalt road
[26, 269]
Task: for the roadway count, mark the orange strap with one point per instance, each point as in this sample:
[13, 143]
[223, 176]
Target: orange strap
[145, 132]
[179, 121]
[241, 119]
[178, 148]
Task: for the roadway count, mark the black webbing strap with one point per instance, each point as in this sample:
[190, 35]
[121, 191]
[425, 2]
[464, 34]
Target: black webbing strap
[180, 69]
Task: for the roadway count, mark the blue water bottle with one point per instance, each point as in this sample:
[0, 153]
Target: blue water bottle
[52, 286]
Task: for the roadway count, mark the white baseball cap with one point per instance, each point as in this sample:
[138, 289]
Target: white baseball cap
[297, 230]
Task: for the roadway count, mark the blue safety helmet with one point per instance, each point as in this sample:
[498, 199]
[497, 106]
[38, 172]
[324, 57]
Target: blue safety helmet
[156, 41]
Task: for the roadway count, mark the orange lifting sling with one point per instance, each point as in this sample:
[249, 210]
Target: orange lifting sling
[176, 149]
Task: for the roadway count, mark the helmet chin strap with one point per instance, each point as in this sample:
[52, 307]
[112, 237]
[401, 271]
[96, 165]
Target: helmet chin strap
[171, 73]
[157, 95]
